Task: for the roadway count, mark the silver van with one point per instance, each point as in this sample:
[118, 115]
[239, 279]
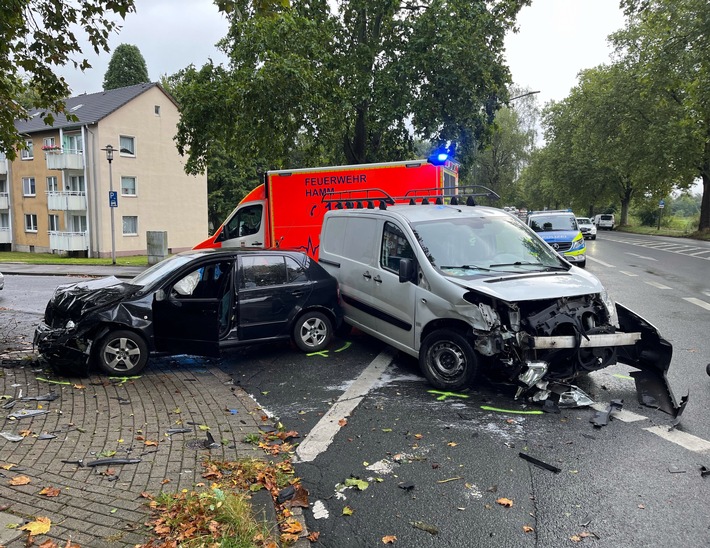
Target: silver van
[467, 287]
[605, 221]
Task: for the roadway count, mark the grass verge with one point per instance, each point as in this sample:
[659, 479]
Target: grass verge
[51, 258]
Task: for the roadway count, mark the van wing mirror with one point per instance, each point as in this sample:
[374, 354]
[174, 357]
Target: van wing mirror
[406, 270]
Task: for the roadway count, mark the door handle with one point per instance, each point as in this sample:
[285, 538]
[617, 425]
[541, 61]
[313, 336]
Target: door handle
[378, 279]
[256, 243]
[297, 293]
[367, 275]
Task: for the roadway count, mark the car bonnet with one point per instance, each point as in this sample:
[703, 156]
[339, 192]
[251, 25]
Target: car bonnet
[76, 299]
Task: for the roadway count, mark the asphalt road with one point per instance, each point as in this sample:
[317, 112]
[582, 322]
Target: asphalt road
[435, 466]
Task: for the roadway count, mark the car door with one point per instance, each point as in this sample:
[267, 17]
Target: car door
[189, 313]
[394, 300]
[271, 290]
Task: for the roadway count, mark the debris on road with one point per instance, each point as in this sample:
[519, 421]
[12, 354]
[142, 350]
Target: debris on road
[602, 418]
[539, 463]
[425, 527]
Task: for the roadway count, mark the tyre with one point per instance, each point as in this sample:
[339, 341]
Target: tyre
[447, 360]
[594, 237]
[707, 369]
[312, 332]
[344, 330]
[122, 352]
[583, 264]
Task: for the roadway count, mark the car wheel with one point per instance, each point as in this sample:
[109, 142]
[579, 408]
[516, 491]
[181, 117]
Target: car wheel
[122, 352]
[594, 237]
[447, 360]
[313, 332]
[707, 369]
[583, 264]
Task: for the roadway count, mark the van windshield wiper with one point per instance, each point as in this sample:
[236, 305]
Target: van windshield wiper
[528, 263]
[466, 267]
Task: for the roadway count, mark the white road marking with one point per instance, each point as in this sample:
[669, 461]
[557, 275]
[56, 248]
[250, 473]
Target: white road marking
[659, 286]
[320, 438]
[600, 262]
[700, 303]
[699, 252]
[641, 256]
[690, 442]
[628, 273]
[623, 415]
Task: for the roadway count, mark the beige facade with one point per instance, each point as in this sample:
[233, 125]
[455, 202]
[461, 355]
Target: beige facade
[69, 210]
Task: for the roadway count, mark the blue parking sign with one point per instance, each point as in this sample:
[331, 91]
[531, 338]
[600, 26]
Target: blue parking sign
[113, 198]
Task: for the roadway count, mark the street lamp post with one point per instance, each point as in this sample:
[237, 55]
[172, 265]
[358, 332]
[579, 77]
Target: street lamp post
[112, 200]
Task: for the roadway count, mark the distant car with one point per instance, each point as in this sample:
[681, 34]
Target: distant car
[2, 281]
[197, 302]
[587, 227]
[605, 221]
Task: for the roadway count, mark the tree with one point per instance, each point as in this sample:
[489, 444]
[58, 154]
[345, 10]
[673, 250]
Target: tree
[665, 44]
[37, 37]
[360, 85]
[126, 68]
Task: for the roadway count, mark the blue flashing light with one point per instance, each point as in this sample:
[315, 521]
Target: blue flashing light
[439, 157]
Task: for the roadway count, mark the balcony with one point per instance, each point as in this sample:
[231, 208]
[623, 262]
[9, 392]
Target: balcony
[68, 241]
[5, 236]
[4, 200]
[64, 160]
[67, 201]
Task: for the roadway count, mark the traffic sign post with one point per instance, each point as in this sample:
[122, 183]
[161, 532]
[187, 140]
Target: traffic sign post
[661, 205]
[113, 198]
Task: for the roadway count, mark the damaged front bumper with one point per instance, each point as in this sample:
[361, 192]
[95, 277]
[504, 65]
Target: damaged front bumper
[637, 343]
[63, 348]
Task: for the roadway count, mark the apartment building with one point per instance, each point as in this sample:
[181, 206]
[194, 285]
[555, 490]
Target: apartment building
[62, 194]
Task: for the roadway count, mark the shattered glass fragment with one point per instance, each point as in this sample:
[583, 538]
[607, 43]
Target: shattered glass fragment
[24, 413]
[575, 397]
[9, 436]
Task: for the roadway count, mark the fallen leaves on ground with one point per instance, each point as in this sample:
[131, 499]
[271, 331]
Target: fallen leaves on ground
[38, 527]
[505, 502]
[389, 539]
[20, 480]
[347, 511]
[50, 491]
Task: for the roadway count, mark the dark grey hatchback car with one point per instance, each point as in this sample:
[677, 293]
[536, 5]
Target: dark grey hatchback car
[197, 302]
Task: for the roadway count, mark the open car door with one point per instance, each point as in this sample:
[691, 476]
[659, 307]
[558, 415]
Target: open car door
[187, 313]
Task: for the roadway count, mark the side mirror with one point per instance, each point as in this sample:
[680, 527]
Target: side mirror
[406, 270]
[159, 295]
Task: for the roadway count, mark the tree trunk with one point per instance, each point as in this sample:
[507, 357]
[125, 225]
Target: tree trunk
[704, 223]
[625, 196]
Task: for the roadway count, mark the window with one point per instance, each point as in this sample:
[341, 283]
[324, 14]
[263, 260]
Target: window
[207, 282]
[246, 222]
[30, 223]
[28, 153]
[157, 110]
[48, 142]
[28, 186]
[54, 223]
[75, 183]
[130, 226]
[395, 246]
[77, 223]
[4, 221]
[128, 186]
[73, 143]
[296, 271]
[262, 271]
[127, 146]
[52, 185]
[3, 186]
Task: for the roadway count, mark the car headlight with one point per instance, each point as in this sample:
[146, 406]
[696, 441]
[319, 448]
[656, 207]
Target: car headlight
[610, 306]
[578, 243]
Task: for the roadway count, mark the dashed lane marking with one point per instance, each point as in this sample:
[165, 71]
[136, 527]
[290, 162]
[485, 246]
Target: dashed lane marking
[658, 285]
[698, 302]
[641, 256]
[600, 262]
[320, 438]
[688, 441]
[628, 273]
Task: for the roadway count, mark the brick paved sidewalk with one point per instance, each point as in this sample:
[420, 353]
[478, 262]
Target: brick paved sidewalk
[97, 507]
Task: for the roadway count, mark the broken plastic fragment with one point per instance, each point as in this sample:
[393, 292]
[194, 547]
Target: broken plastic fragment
[46, 437]
[574, 397]
[406, 485]
[534, 372]
[539, 463]
[425, 527]
[9, 436]
[102, 462]
[704, 472]
[24, 413]
[51, 396]
[601, 418]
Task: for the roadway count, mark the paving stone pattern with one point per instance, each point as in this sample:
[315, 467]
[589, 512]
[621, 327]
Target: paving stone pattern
[102, 506]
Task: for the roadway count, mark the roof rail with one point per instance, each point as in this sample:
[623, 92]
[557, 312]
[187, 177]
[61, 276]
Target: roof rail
[366, 198]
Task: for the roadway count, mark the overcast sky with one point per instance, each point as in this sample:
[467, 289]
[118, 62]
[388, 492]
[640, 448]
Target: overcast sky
[557, 39]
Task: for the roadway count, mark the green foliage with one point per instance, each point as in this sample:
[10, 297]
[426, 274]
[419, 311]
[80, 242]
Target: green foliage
[37, 37]
[307, 87]
[126, 68]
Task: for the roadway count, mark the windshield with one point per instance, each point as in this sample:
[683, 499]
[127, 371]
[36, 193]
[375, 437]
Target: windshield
[549, 223]
[484, 246]
[583, 221]
[158, 271]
